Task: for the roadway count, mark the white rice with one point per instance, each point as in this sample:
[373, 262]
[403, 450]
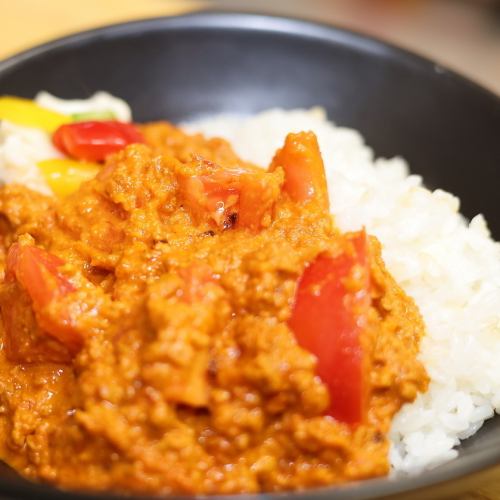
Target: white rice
[21, 148]
[449, 266]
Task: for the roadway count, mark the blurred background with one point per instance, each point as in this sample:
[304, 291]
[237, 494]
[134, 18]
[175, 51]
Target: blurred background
[461, 34]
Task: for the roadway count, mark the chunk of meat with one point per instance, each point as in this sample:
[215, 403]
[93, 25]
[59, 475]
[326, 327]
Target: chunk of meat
[167, 139]
[196, 278]
[187, 309]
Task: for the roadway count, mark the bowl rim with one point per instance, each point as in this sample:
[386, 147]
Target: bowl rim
[240, 20]
[251, 21]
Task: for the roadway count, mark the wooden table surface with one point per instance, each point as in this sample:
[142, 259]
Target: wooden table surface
[29, 22]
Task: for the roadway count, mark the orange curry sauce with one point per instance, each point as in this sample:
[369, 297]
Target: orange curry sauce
[188, 322]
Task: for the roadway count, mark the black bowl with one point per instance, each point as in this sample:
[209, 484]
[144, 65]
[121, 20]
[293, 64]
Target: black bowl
[183, 67]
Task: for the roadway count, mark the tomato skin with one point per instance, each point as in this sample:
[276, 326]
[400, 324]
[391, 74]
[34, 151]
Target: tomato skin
[305, 179]
[327, 319]
[95, 140]
[242, 196]
[37, 272]
[257, 198]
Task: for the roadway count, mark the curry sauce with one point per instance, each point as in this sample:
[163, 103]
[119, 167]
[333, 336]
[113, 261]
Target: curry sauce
[165, 330]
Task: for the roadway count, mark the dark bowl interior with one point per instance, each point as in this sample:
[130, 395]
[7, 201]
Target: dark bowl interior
[184, 67]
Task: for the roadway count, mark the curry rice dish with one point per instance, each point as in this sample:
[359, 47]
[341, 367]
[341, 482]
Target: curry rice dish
[187, 321]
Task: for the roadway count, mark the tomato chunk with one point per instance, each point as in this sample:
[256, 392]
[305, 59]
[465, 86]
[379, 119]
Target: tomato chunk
[257, 198]
[215, 194]
[328, 316]
[242, 196]
[305, 179]
[95, 140]
[37, 272]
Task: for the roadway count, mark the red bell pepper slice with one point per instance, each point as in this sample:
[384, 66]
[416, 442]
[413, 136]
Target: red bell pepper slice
[328, 317]
[95, 140]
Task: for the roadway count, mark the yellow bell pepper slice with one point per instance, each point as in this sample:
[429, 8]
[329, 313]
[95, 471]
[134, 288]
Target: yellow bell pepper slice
[64, 176]
[29, 114]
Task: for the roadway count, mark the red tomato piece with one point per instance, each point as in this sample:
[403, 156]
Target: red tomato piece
[37, 271]
[215, 194]
[305, 179]
[257, 198]
[237, 196]
[328, 316]
[95, 140]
